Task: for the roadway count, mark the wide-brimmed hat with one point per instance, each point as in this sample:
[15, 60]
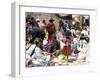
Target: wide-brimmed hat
[51, 20]
[37, 19]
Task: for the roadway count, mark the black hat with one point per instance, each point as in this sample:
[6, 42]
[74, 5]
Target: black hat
[51, 20]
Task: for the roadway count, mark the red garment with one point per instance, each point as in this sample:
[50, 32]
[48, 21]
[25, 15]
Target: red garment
[51, 31]
[49, 38]
[67, 50]
[51, 28]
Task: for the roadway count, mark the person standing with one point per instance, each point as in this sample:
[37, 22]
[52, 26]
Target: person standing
[51, 29]
[67, 48]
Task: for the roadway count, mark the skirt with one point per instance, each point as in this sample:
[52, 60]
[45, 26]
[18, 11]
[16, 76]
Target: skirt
[67, 50]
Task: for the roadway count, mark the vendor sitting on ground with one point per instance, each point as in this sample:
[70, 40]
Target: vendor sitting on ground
[35, 56]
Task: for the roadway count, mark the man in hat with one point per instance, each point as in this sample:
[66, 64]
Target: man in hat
[51, 29]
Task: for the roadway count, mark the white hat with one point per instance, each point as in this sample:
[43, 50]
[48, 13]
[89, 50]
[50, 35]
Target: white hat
[37, 19]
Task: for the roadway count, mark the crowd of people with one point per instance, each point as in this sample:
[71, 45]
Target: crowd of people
[51, 45]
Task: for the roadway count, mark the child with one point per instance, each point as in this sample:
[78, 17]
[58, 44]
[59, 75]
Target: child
[67, 48]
